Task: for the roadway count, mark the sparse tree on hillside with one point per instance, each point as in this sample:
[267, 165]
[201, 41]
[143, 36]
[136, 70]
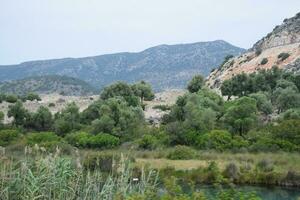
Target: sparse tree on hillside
[18, 112]
[43, 120]
[195, 84]
[143, 90]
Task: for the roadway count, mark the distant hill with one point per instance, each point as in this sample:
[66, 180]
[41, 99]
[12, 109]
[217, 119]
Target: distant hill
[164, 66]
[47, 85]
[281, 47]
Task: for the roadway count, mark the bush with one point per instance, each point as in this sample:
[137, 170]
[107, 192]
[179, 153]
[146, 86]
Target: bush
[283, 56]
[103, 141]
[78, 139]
[11, 98]
[232, 171]
[162, 107]
[217, 139]
[147, 142]
[182, 153]
[51, 105]
[32, 97]
[45, 139]
[100, 160]
[264, 61]
[265, 165]
[258, 52]
[8, 136]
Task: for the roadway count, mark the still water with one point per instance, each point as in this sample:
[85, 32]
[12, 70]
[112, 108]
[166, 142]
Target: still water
[266, 193]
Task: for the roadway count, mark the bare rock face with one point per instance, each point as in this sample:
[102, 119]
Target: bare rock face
[284, 39]
[287, 33]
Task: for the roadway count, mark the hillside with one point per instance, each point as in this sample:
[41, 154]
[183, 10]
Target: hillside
[281, 47]
[164, 66]
[48, 84]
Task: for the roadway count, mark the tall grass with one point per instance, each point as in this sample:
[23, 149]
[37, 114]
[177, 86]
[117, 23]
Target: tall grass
[40, 175]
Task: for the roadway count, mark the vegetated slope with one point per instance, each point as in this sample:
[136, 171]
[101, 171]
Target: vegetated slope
[48, 84]
[281, 47]
[164, 66]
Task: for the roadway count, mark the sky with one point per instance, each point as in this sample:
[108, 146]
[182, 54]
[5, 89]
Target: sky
[46, 29]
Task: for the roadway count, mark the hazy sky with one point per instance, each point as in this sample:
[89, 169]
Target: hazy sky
[43, 29]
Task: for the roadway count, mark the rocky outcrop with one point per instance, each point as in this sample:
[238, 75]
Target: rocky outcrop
[281, 47]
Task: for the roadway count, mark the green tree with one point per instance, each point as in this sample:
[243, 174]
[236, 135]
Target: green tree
[18, 112]
[263, 104]
[120, 89]
[1, 118]
[227, 89]
[195, 84]
[67, 120]
[241, 116]
[43, 120]
[286, 99]
[143, 90]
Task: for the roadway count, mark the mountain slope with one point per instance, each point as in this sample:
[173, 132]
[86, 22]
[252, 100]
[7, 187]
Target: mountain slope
[281, 47]
[164, 66]
[47, 85]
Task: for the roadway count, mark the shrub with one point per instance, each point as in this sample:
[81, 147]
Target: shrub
[264, 61]
[147, 142]
[2, 97]
[8, 136]
[78, 139]
[283, 56]
[232, 171]
[11, 98]
[216, 139]
[162, 107]
[103, 141]
[265, 165]
[182, 153]
[258, 52]
[51, 105]
[32, 97]
[100, 160]
[45, 139]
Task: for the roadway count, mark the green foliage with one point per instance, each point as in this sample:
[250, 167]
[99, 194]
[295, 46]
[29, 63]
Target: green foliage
[263, 103]
[100, 161]
[103, 141]
[123, 90]
[162, 107]
[148, 142]
[18, 112]
[182, 153]
[7, 136]
[264, 61]
[86, 140]
[143, 90]
[78, 139]
[195, 84]
[67, 120]
[51, 105]
[282, 56]
[287, 130]
[32, 96]
[45, 139]
[1, 118]
[241, 117]
[42, 119]
[10, 98]
[286, 99]
[217, 139]
[291, 114]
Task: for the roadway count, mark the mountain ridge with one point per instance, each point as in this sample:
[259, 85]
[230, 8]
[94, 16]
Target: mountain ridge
[164, 66]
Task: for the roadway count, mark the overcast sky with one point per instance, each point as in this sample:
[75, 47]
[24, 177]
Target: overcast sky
[44, 29]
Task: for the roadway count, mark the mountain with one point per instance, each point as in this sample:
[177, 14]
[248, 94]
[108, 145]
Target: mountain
[48, 84]
[281, 47]
[164, 66]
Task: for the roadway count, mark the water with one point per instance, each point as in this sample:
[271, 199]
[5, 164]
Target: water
[266, 193]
